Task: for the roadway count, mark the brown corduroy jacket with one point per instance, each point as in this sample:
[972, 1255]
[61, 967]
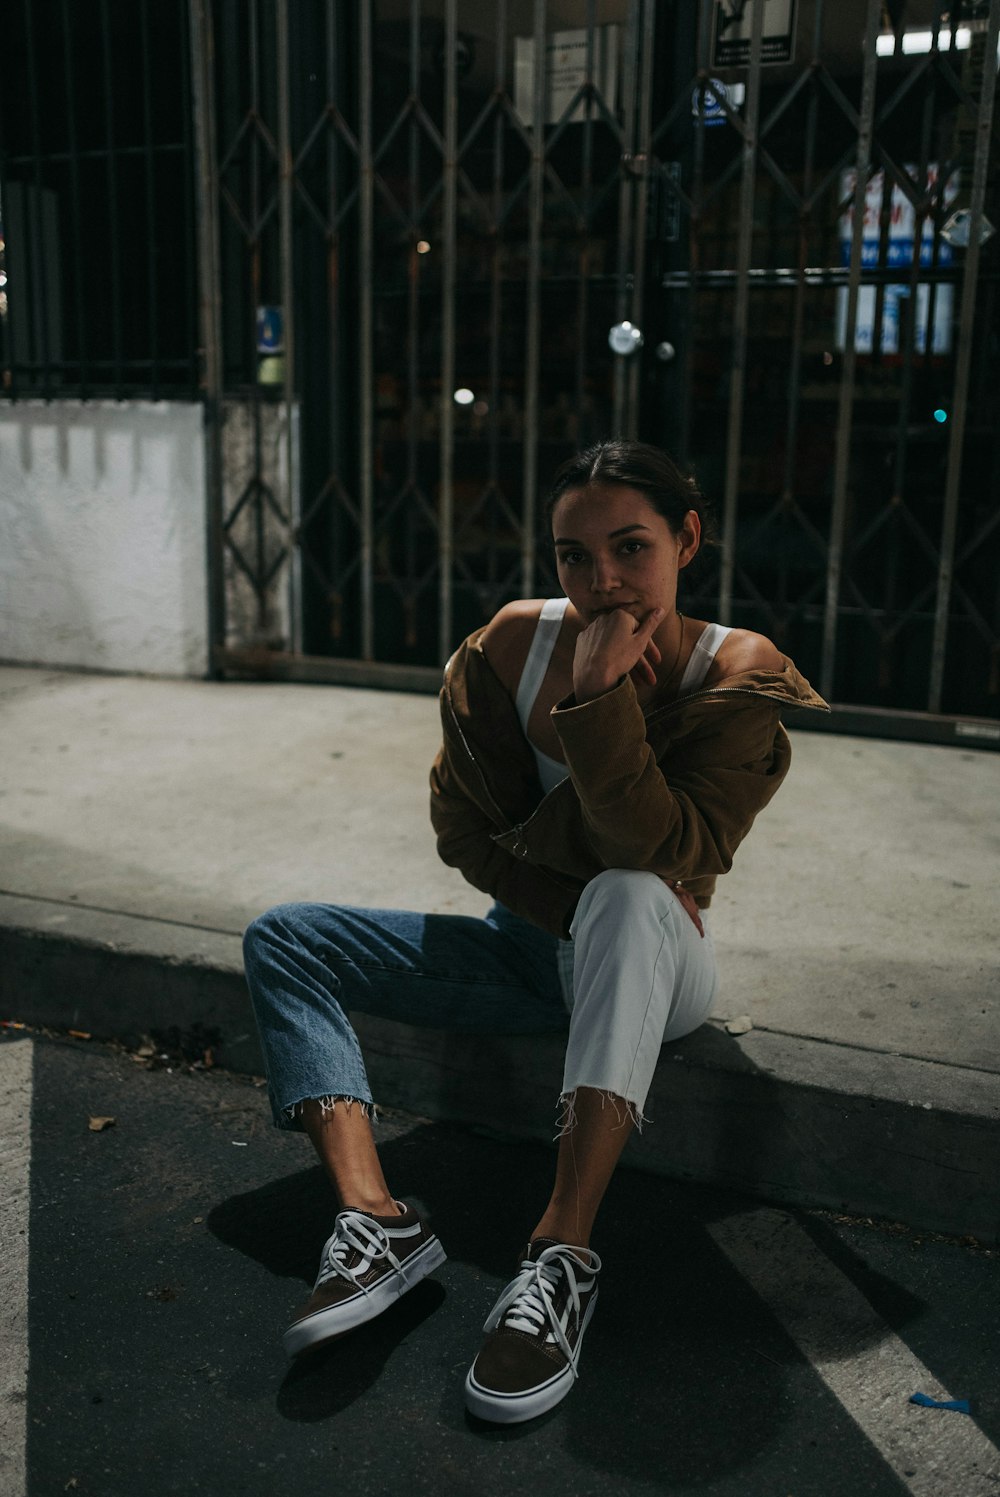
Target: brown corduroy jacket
[671, 790]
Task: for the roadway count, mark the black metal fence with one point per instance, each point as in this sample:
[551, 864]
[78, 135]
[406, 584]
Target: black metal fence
[451, 228]
[441, 246]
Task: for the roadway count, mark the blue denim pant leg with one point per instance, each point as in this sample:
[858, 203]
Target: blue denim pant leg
[307, 965]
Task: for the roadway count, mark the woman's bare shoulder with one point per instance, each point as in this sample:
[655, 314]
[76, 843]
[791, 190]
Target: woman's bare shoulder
[506, 639]
[743, 650]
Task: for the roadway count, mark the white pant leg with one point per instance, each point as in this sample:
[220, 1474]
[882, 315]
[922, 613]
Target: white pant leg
[642, 974]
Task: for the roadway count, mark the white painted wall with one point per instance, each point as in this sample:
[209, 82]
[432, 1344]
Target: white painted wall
[102, 536]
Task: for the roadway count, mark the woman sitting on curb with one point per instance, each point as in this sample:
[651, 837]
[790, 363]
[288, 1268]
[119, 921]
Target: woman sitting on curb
[603, 758]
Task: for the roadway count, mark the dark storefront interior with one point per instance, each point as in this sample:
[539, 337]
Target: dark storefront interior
[457, 237]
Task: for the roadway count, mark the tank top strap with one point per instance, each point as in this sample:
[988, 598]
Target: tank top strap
[543, 642]
[706, 648]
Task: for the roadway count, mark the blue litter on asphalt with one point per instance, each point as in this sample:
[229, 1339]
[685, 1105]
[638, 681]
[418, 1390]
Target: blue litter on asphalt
[961, 1405]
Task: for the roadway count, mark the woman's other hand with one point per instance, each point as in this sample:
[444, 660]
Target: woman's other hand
[614, 645]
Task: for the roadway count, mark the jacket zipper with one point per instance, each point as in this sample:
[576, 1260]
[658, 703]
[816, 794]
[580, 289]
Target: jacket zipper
[520, 849]
[475, 763]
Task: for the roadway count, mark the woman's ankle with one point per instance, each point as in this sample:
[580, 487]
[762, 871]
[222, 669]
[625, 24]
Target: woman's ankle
[383, 1206]
[560, 1229]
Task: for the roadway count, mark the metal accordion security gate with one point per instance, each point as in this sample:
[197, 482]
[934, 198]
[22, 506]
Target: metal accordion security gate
[444, 246]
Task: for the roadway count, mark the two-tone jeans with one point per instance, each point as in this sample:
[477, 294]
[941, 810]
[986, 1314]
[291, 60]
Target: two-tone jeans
[636, 973]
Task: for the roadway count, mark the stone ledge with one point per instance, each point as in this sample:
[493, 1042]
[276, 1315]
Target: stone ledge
[790, 1119]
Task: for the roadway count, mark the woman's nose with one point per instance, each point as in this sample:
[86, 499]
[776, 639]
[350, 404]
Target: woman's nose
[604, 578]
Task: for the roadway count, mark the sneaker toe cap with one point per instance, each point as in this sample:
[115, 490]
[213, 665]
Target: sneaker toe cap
[511, 1363]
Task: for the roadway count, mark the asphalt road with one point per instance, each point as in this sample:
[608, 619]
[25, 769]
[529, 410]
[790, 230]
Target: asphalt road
[741, 1350]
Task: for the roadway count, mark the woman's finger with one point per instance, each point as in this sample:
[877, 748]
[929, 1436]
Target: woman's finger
[648, 626]
[643, 672]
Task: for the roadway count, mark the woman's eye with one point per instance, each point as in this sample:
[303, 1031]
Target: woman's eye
[570, 558]
[632, 548]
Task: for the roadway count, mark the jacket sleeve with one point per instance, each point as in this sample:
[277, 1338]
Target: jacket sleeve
[684, 817]
[465, 841]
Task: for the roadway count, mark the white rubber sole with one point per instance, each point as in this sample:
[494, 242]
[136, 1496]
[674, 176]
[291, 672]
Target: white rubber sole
[515, 1408]
[323, 1325]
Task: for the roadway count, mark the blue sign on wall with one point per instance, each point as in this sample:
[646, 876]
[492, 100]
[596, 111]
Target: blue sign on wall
[270, 330]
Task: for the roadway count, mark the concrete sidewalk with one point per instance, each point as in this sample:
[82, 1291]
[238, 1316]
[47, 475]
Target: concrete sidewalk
[144, 822]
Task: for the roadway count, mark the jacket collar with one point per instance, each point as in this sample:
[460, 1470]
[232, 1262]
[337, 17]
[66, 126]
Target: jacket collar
[787, 687]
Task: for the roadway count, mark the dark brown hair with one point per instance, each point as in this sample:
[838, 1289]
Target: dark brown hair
[635, 465]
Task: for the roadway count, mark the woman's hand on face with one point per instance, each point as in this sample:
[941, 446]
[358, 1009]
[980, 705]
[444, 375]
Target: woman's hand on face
[612, 646]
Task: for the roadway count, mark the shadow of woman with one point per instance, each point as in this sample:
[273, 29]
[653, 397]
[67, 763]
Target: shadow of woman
[685, 1374]
[328, 1380]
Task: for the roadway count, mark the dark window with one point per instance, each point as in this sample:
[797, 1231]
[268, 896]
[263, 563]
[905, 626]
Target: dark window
[96, 200]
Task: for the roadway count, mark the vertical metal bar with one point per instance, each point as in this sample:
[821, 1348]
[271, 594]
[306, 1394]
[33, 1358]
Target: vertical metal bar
[798, 323]
[366, 210]
[933, 289]
[76, 237]
[413, 297]
[33, 276]
[412, 520]
[529, 482]
[256, 297]
[8, 373]
[845, 406]
[625, 196]
[586, 194]
[734, 437]
[210, 306]
[335, 446]
[963, 361]
[496, 282]
[191, 329]
[286, 184]
[114, 251]
[697, 186]
[446, 494]
[909, 351]
[641, 189]
[149, 185]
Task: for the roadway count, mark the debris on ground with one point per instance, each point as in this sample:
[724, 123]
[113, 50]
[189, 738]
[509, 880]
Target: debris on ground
[742, 1024]
[960, 1405]
[98, 1125]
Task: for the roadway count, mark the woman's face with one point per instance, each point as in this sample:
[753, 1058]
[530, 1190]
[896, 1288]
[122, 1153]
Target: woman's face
[615, 550]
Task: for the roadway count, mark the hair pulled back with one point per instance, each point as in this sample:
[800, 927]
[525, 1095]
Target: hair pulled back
[635, 465]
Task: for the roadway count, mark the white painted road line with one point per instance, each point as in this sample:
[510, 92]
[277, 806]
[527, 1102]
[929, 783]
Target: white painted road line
[864, 1364]
[16, 1058]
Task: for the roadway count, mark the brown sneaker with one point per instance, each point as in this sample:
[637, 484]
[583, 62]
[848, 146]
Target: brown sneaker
[368, 1263]
[528, 1361]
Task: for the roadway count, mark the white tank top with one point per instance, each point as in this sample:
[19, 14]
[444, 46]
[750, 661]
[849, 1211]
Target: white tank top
[551, 771]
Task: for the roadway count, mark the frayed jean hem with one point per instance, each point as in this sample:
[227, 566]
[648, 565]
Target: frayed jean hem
[626, 1112]
[289, 1119]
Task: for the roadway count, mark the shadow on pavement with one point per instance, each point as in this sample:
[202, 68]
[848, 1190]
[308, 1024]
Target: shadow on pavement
[330, 1379]
[686, 1373]
[658, 1365]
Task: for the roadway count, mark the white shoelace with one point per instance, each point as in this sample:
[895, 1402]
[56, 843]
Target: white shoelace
[528, 1302]
[354, 1232]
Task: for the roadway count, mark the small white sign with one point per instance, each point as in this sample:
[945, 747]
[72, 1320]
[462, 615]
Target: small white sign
[734, 29]
[566, 72]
